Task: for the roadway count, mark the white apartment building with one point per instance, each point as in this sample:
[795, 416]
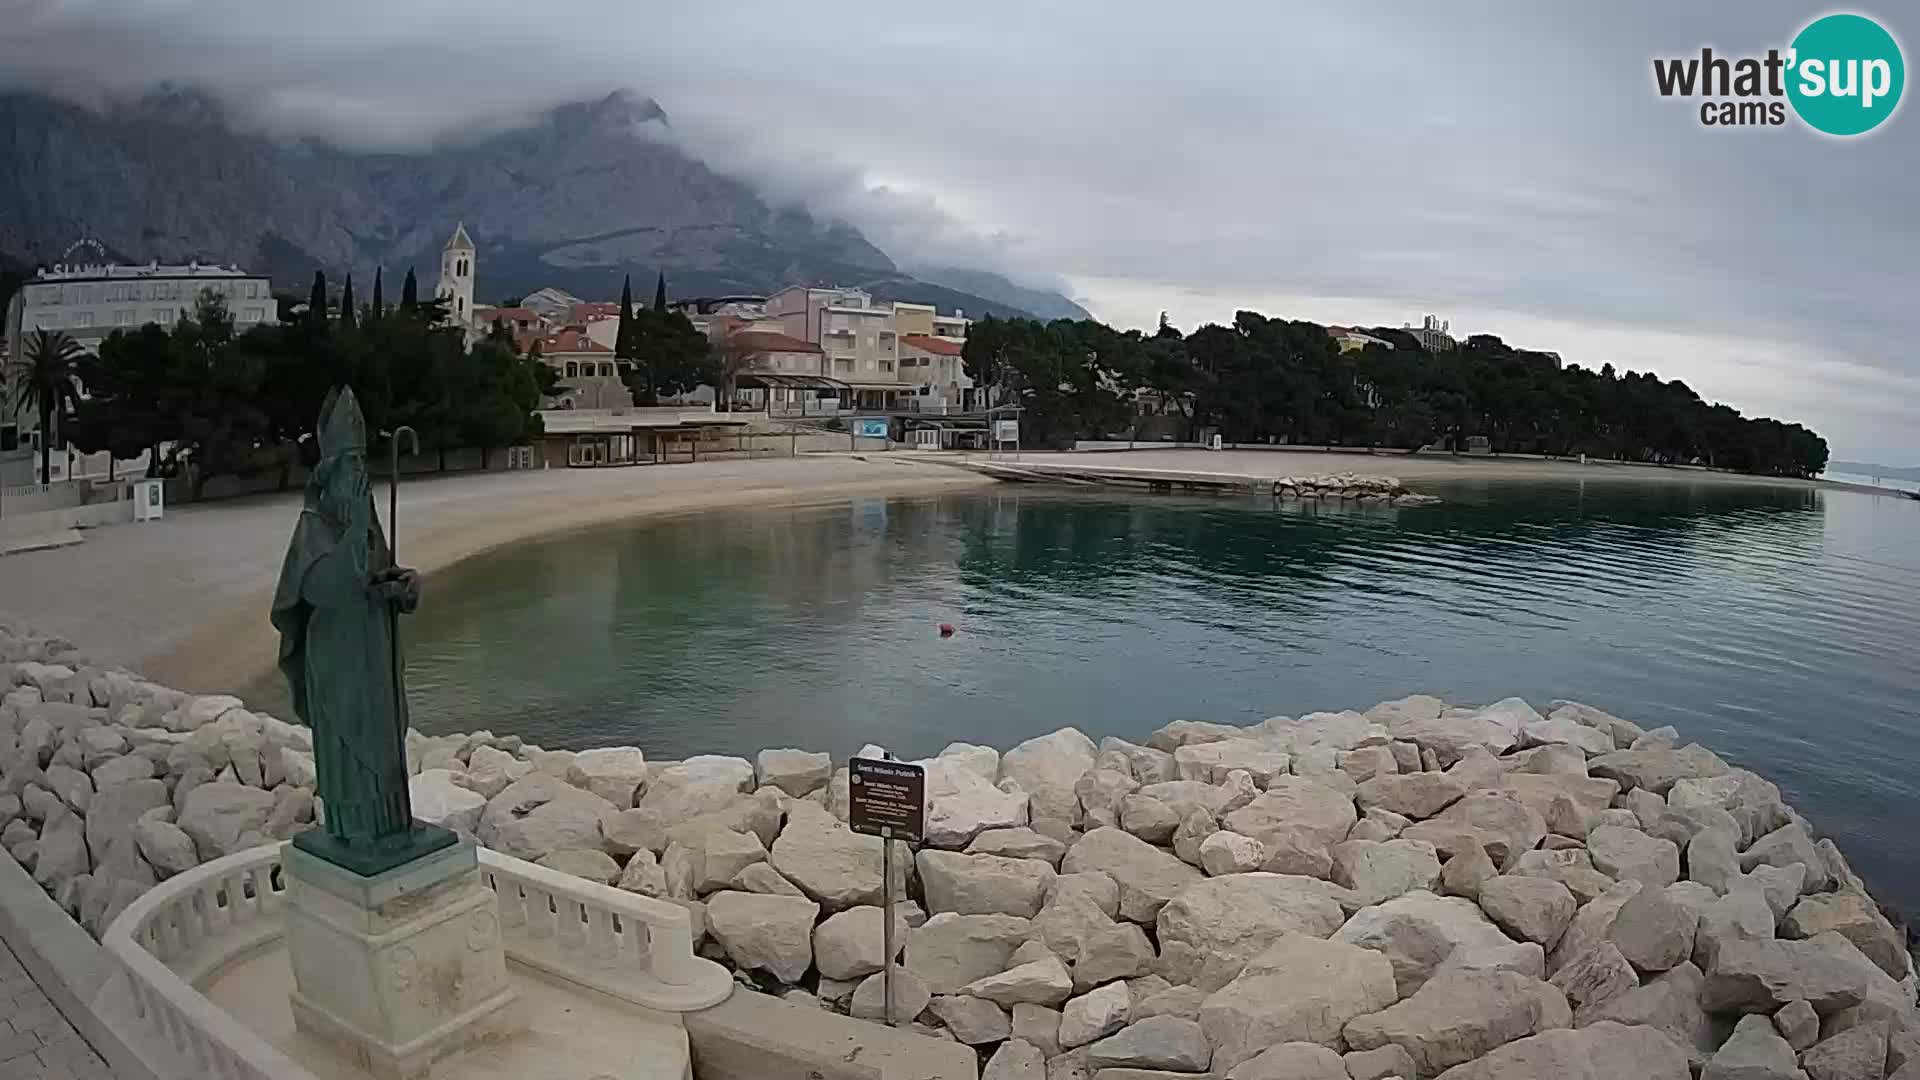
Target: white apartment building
[860, 341]
[89, 301]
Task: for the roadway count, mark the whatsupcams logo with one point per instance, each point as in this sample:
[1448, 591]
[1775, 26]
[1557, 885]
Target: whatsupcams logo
[1842, 75]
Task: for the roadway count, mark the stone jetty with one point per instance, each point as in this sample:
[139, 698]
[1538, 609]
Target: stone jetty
[1419, 890]
[1333, 487]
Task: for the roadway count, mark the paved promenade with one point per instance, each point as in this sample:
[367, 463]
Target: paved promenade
[36, 1042]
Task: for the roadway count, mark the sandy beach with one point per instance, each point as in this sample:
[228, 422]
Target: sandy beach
[1414, 467]
[185, 600]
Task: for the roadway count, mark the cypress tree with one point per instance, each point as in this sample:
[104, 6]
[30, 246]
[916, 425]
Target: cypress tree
[660, 292]
[347, 317]
[317, 299]
[379, 300]
[409, 292]
[623, 337]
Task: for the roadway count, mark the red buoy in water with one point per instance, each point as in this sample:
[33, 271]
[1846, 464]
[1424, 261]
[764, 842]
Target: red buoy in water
[946, 629]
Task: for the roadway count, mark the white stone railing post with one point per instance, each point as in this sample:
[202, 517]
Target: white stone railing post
[168, 926]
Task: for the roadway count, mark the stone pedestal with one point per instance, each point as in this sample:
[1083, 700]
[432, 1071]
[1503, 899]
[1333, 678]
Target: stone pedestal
[399, 969]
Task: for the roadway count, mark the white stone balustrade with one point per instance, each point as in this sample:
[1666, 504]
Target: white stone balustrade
[189, 928]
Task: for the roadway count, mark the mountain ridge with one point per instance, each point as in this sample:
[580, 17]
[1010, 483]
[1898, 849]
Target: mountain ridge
[589, 192]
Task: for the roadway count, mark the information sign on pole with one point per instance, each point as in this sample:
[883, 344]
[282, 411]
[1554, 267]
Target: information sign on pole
[887, 799]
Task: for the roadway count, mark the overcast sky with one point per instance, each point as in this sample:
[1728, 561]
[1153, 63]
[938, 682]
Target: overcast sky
[1507, 166]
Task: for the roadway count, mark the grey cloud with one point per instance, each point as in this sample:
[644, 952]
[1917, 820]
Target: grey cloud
[1478, 156]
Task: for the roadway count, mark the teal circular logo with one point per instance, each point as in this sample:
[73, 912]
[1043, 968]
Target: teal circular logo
[1846, 74]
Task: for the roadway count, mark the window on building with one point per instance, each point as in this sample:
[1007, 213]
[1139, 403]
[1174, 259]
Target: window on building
[164, 317]
[886, 366]
[123, 317]
[573, 370]
[82, 318]
[9, 437]
[256, 314]
[253, 290]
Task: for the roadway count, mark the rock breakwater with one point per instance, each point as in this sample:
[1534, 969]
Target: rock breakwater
[1418, 890]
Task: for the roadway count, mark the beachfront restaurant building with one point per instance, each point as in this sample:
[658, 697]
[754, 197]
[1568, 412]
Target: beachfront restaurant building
[590, 438]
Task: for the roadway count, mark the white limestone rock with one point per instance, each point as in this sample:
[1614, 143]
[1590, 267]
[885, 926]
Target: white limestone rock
[1211, 762]
[1605, 1051]
[61, 852]
[1654, 931]
[1100, 792]
[1225, 852]
[1594, 977]
[1047, 768]
[1851, 914]
[1754, 1052]
[831, 863]
[1785, 847]
[962, 802]
[851, 944]
[1656, 771]
[765, 933]
[699, 785]
[1292, 1061]
[223, 818]
[983, 884]
[1461, 1015]
[1417, 795]
[643, 874]
[1529, 909]
[1094, 1015]
[1379, 1063]
[113, 812]
[1181, 733]
[1018, 843]
[541, 813]
[1300, 989]
[1384, 870]
[1148, 877]
[1215, 926]
[1160, 1043]
[796, 772]
[438, 800]
[869, 1000]
[1041, 982]
[615, 773]
[973, 1021]
[1148, 818]
[1498, 822]
[167, 848]
[1294, 802]
[591, 864]
[1630, 854]
[1566, 731]
[1826, 971]
[1421, 934]
[949, 951]
[1798, 1024]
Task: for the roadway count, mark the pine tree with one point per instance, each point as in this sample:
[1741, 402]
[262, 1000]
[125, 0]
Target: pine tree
[623, 337]
[660, 292]
[409, 293]
[346, 303]
[379, 299]
[317, 299]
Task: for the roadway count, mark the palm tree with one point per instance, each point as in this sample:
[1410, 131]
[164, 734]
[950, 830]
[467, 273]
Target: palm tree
[46, 379]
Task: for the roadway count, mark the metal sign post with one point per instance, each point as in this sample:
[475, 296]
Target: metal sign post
[888, 799]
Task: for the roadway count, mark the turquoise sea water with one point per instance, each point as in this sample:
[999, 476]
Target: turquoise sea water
[1775, 625]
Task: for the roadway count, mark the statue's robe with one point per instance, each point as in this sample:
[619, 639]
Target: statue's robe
[337, 652]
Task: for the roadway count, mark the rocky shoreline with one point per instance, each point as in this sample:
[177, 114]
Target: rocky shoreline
[1415, 891]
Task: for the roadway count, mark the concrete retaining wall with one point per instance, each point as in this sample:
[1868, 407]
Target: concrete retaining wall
[753, 1036]
[70, 968]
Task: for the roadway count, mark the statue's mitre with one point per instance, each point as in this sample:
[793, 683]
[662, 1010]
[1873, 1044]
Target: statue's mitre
[342, 429]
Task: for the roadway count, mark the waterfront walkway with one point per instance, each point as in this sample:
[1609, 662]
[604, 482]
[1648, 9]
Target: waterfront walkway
[36, 1042]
